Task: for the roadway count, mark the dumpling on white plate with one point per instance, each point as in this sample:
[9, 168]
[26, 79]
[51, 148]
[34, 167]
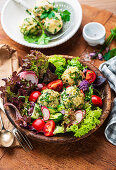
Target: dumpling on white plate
[41, 6]
[54, 24]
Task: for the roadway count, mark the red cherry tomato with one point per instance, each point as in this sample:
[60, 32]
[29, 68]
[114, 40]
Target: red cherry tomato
[90, 76]
[34, 96]
[55, 85]
[67, 86]
[49, 128]
[38, 124]
[44, 86]
[96, 100]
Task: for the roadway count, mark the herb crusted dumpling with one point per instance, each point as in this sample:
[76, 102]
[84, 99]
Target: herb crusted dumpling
[49, 98]
[41, 6]
[30, 26]
[71, 97]
[72, 76]
[53, 24]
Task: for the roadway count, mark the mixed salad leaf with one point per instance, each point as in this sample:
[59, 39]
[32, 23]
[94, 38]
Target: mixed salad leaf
[37, 62]
[17, 90]
[49, 106]
[60, 63]
[89, 122]
[40, 40]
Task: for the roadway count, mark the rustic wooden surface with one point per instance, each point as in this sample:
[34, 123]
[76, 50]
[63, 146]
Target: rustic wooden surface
[109, 5]
[94, 152]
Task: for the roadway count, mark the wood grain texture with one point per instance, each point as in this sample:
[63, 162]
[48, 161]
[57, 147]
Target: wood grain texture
[109, 5]
[94, 152]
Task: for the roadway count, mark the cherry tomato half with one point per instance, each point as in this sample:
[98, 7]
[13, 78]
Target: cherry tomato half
[68, 86]
[49, 128]
[42, 86]
[55, 85]
[96, 100]
[38, 124]
[34, 96]
[90, 76]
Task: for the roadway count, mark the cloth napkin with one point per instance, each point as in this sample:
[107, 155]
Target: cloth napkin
[108, 69]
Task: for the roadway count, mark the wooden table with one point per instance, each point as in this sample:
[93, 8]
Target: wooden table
[94, 152]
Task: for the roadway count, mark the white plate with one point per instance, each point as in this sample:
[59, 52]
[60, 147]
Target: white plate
[13, 14]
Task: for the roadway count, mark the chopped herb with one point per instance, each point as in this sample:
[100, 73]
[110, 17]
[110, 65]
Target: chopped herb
[28, 11]
[55, 9]
[55, 30]
[36, 7]
[65, 15]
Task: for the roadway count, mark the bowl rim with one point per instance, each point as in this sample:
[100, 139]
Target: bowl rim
[67, 137]
[60, 41]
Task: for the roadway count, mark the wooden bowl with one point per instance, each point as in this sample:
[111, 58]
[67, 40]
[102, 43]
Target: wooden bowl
[69, 137]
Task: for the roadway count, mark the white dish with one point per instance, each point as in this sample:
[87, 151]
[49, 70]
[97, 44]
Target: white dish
[13, 14]
[94, 33]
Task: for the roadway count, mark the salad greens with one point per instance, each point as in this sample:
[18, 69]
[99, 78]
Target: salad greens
[60, 64]
[35, 61]
[89, 122]
[40, 40]
[65, 15]
[75, 62]
[88, 94]
[17, 91]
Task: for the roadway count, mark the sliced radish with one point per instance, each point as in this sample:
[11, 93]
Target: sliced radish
[29, 75]
[78, 116]
[46, 113]
[84, 112]
[40, 86]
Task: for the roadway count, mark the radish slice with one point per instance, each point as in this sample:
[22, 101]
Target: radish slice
[29, 75]
[40, 86]
[46, 113]
[84, 112]
[81, 111]
[78, 116]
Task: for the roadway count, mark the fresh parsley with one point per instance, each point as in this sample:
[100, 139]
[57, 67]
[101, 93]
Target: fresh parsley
[65, 15]
[27, 10]
[89, 94]
[50, 14]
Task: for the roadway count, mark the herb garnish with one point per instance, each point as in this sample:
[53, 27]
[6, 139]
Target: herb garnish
[65, 15]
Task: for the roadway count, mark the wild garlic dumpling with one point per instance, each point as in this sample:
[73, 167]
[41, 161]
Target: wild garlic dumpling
[41, 6]
[54, 24]
[72, 76]
[30, 26]
[71, 97]
[49, 98]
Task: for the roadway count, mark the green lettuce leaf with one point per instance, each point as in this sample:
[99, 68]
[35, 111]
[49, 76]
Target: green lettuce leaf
[40, 39]
[76, 62]
[60, 64]
[89, 122]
